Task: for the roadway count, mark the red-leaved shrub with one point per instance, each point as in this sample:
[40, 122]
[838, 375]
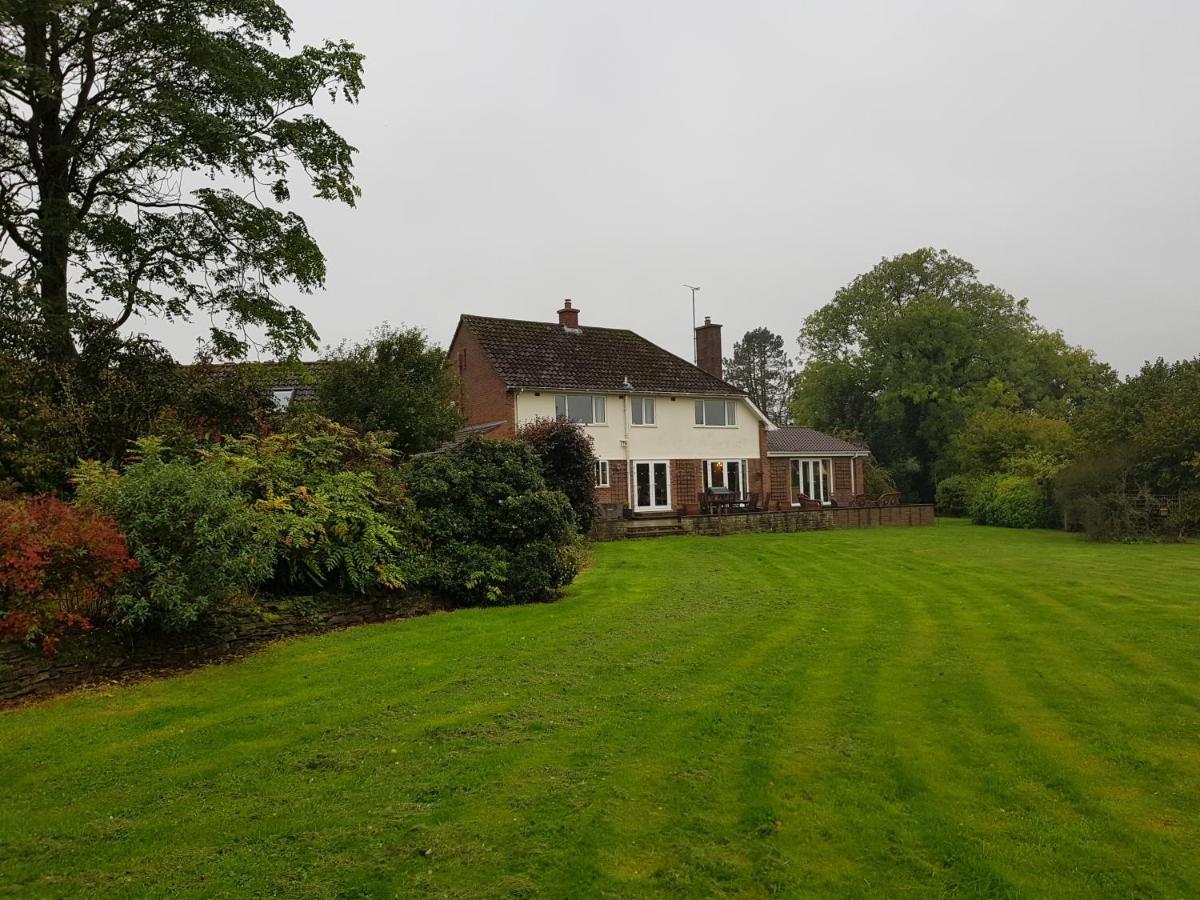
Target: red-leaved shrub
[59, 566]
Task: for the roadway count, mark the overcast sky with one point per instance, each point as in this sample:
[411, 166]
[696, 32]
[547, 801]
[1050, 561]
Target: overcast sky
[516, 153]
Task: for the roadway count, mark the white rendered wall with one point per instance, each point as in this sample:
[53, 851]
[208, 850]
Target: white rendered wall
[675, 434]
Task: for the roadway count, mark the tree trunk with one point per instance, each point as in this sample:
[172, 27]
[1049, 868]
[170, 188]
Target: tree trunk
[58, 342]
[56, 216]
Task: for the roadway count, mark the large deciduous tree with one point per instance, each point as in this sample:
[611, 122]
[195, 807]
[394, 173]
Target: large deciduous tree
[147, 152]
[907, 352]
[760, 366]
[1152, 423]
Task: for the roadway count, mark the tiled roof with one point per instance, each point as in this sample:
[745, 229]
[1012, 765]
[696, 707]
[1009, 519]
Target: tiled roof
[792, 439]
[299, 377]
[469, 430]
[548, 356]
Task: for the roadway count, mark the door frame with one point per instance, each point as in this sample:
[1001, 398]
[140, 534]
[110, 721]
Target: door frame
[798, 463]
[650, 464]
[743, 486]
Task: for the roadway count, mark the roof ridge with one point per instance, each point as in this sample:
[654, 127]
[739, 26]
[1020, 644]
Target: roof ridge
[551, 324]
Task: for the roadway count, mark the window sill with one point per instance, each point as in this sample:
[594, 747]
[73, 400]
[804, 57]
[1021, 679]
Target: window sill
[715, 426]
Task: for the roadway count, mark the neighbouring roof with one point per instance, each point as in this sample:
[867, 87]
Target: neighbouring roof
[547, 356]
[485, 428]
[298, 377]
[794, 439]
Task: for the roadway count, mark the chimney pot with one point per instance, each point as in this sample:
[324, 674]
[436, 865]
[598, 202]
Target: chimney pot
[568, 316]
[708, 347]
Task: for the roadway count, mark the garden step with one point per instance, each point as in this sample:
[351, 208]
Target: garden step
[648, 531]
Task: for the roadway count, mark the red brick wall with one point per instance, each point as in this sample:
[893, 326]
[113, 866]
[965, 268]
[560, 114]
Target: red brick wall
[708, 348]
[781, 484]
[761, 476]
[841, 479]
[617, 491]
[781, 481]
[481, 395]
[754, 471]
[687, 481]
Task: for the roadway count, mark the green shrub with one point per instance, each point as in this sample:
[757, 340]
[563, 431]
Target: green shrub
[954, 495]
[495, 532]
[1011, 501]
[568, 463]
[1097, 495]
[213, 400]
[877, 479]
[1138, 516]
[197, 540]
[332, 503]
[40, 438]
[995, 440]
[1088, 477]
[51, 416]
[395, 382]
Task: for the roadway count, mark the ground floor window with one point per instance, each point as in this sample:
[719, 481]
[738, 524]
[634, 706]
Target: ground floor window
[727, 474]
[812, 479]
[602, 473]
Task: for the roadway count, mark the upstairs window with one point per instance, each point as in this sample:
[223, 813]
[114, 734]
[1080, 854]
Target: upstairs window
[716, 413]
[602, 473]
[585, 409]
[643, 410]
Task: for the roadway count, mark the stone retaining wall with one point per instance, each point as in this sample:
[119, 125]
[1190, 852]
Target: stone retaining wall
[101, 657]
[909, 515]
[798, 520]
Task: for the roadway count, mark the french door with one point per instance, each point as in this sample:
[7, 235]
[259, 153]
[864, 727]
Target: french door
[730, 474]
[812, 479]
[652, 484]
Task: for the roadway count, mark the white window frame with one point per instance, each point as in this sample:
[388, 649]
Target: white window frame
[602, 473]
[599, 405]
[651, 463]
[638, 408]
[743, 489]
[701, 413]
[806, 465]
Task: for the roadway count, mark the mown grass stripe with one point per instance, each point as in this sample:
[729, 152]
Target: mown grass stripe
[923, 711]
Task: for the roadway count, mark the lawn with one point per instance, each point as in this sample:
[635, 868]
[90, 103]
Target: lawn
[889, 712]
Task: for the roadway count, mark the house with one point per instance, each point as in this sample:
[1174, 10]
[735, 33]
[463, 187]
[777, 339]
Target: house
[664, 430]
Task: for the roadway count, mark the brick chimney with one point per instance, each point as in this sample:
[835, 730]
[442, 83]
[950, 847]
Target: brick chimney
[568, 316]
[708, 347]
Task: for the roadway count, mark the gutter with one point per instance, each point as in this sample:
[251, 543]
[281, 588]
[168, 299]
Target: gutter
[854, 454]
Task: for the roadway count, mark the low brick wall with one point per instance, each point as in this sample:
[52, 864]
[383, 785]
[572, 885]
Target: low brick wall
[98, 657]
[909, 515]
